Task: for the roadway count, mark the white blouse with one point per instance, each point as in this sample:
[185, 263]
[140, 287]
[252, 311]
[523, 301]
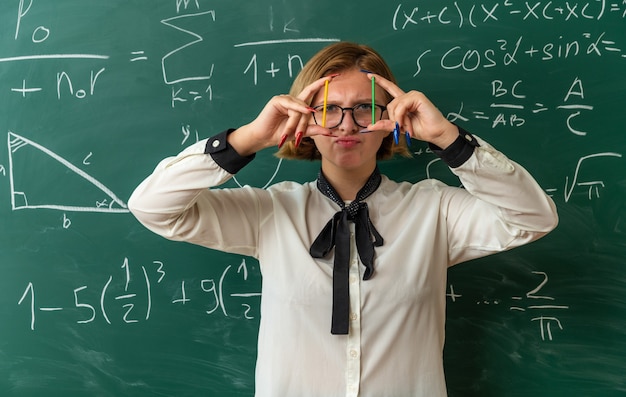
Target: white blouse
[396, 339]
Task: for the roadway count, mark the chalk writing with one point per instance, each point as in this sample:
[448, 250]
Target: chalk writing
[269, 181]
[193, 94]
[505, 52]
[592, 186]
[133, 301]
[286, 41]
[138, 56]
[534, 294]
[462, 15]
[273, 69]
[185, 4]
[63, 79]
[19, 199]
[186, 131]
[39, 34]
[536, 303]
[181, 93]
[121, 298]
[197, 38]
[511, 100]
[43, 57]
[215, 289]
[452, 295]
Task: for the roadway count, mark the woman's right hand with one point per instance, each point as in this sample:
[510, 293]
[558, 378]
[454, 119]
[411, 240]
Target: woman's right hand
[283, 118]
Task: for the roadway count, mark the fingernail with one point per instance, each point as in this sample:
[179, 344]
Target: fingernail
[282, 140]
[407, 135]
[365, 131]
[366, 71]
[332, 76]
[310, 109]
[299, 136]
[396, 133]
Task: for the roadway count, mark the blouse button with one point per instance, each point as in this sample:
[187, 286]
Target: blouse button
[216, 143]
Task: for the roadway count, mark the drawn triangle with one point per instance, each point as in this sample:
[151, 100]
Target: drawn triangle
[48, 186]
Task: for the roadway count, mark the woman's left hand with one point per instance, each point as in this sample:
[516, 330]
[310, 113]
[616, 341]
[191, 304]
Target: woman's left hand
[415, 114]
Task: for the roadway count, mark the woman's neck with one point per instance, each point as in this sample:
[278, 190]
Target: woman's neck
[347, 183]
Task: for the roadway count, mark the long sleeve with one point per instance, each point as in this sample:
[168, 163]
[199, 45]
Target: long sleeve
[504, 208]
[176, 201]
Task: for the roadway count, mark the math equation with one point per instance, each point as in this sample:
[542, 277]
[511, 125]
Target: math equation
[133, 299]
[543, 309]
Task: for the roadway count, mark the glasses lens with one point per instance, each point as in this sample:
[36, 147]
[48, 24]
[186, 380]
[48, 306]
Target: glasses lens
[333, 115]
[363, 114]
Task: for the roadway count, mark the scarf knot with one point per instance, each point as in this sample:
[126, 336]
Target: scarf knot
[336, 234]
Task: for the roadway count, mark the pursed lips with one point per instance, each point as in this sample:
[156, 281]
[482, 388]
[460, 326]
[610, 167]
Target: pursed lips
[347, 141]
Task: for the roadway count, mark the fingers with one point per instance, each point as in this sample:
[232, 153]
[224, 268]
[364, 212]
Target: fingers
[309, 91]
[402, 111]
[386, 85]
[299, 123]
[291, 105]
[298, 113]
[382, 125]
[405, 110]
[309, 131]
[398, 110]
[296, 123]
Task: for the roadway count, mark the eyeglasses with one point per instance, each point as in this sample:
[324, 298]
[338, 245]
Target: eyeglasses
[361, 114]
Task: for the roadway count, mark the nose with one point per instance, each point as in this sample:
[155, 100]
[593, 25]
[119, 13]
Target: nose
[348, 125]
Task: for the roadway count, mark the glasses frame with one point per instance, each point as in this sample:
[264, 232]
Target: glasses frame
[320, 108]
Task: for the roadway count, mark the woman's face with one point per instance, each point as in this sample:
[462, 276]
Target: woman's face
[348, 149]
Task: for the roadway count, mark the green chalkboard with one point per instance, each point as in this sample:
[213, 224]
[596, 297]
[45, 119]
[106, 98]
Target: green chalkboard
[94, 93]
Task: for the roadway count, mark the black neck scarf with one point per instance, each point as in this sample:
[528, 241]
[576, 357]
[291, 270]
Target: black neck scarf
[336, 234]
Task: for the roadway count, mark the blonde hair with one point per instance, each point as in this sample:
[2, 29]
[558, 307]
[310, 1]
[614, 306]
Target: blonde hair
[336, 58]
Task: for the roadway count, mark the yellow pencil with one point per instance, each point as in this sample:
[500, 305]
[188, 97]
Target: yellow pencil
[325, 102]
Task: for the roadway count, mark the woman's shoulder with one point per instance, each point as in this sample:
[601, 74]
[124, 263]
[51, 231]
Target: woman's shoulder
[289, 187]
[391, 185]
[286, 189]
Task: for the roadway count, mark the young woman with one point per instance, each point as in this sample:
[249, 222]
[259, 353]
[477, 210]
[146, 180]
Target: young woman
[354, 264]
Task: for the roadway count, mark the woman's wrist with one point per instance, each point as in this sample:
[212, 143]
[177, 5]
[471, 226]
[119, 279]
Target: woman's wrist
[447, 138]
[242, 143]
